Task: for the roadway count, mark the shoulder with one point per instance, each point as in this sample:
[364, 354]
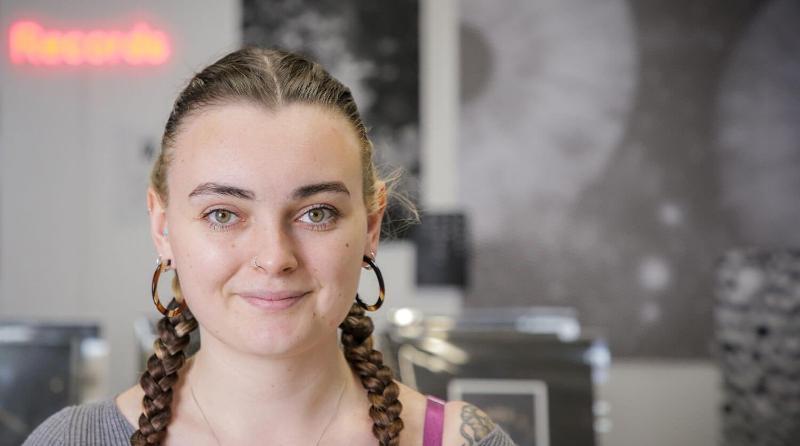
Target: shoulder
[413, 414]
[97, 423]
[53, 430]
[465, 423]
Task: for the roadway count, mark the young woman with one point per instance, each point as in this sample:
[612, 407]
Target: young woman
[265, 202]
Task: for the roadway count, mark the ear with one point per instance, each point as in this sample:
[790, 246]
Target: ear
[158, 224]
[374, 219]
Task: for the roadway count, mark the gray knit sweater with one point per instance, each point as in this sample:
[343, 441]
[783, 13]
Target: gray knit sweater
[102, 424]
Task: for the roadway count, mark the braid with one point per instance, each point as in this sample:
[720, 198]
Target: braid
[161, 374]
[375, 376]
[173, 336]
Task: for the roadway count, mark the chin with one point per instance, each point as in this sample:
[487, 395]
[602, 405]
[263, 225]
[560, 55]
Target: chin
[280, 340]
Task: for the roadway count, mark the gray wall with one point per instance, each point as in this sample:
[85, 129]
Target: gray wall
[628, 144]
[660, 403]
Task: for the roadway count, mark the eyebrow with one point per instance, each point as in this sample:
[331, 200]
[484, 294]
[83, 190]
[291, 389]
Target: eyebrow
[299, 193]
[221, 189]
[313, 189]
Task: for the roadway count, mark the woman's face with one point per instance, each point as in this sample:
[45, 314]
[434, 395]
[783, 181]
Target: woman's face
[284, 188]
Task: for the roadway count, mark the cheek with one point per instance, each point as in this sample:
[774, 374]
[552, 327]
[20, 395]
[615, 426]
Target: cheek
[203, 265]
[338, 272]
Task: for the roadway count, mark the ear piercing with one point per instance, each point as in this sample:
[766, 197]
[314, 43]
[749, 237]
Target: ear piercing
[381, 286]
[371, 256]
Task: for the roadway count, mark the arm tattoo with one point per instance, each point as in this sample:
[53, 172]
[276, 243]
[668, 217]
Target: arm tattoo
[475, 425]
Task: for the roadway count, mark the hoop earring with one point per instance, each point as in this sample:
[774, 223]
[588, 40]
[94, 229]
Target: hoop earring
[160, 268]
[381, 293]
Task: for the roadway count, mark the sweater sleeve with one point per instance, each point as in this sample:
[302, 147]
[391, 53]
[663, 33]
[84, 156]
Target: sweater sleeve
[497, 437]
[52, 431]
[94, 424]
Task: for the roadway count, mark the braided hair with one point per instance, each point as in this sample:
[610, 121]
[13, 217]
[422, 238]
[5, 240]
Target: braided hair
[376, 377]
[173, 337]
[161, 374]
[270, 78]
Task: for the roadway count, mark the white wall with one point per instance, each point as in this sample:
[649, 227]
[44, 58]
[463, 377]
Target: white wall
[74, 241]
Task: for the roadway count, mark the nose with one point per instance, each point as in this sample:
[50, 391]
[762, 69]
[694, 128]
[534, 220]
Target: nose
[277, 252]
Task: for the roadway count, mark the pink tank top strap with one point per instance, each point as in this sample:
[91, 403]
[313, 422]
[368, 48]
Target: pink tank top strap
[434, 422]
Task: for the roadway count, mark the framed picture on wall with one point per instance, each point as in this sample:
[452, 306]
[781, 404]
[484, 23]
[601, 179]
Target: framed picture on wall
[373, 48]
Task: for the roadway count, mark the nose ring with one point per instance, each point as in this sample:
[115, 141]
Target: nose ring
[254, 263]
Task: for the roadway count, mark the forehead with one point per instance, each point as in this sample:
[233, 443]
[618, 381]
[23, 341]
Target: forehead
[267, 151]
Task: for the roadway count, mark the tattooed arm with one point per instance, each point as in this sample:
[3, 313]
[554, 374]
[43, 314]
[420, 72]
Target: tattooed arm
[475, 425]
[467, 425]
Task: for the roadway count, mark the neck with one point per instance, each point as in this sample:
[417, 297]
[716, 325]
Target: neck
[252, 395]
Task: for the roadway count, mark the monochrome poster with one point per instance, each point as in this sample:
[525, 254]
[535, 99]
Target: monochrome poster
[372, 47]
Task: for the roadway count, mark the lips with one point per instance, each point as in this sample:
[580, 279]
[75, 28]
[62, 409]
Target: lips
[273, 296]
[271, 300]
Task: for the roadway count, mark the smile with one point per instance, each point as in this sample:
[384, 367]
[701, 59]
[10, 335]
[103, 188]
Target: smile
[274, 301]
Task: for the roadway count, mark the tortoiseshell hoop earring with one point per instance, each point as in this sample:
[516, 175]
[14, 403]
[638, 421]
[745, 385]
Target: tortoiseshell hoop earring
[381, 293]
[160, 268]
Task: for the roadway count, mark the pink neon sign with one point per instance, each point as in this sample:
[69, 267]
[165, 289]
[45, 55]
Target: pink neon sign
[30, 43]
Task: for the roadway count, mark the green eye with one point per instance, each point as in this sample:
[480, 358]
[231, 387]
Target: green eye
[316, 215]
[221, 219]
[222, 216]
[320, 218]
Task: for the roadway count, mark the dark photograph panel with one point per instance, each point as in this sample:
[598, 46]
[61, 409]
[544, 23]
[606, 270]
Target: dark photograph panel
[372, 47]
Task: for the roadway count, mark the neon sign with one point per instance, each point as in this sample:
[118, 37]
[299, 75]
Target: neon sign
[30, 43]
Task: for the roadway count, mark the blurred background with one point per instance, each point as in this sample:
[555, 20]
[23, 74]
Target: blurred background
[609, 193]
